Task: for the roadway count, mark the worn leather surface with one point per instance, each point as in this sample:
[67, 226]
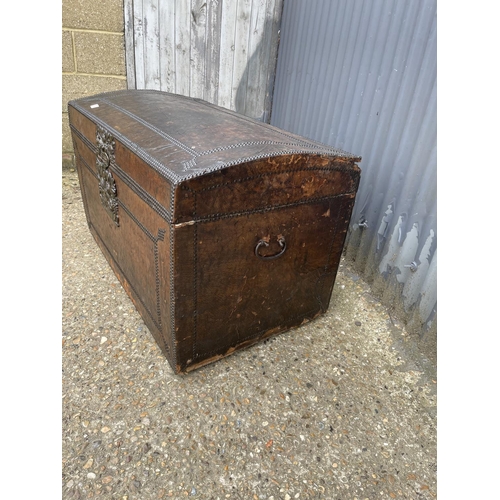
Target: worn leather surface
[188, 137]
[198, 189]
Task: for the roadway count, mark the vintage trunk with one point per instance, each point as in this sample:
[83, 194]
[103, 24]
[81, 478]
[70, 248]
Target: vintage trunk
[222, 230]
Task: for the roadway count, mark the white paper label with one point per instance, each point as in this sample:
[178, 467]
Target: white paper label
[94, 106]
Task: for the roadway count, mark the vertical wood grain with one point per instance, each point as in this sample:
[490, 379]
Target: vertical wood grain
[128, 13]
[139, 45]
[222, 51]
[182, 47]
[167, 46]
[198, 48]
[269, 56]
[241, 57]
[227, 48]
[151, 44]
[254, 64]
[212, 54]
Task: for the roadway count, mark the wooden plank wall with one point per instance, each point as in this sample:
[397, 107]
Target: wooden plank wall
[222, 51]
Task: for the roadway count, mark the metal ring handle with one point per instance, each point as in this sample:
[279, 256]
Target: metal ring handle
[282, 244]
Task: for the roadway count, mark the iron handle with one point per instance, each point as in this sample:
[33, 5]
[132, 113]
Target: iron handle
[265, 243]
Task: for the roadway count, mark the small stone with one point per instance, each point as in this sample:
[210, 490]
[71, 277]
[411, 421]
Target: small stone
[107, 479]
[105, 429]
[103, 339]
[357, 323]
[70, 483]
[265, 424]
[287, 497]
[88, 463]
[76, 494]
[91, 475]
[193, 492]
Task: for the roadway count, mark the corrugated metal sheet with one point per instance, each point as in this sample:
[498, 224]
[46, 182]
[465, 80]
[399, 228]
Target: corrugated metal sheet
[222, 51]
[361, 75]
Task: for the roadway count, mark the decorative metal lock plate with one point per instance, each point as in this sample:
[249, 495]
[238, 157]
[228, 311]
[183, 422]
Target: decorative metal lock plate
[107, 186]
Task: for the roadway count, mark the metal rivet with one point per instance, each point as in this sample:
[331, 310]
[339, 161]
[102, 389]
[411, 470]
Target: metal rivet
[363, 222]
[412, 266]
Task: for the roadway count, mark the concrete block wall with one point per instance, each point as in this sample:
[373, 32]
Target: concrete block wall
[93, 55]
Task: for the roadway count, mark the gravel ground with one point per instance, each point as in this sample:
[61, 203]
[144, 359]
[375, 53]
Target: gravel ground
[340, 408]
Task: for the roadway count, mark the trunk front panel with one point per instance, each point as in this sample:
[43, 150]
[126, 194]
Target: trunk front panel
[243, 290]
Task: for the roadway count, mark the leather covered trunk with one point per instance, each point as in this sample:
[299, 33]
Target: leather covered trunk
[223, 230]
